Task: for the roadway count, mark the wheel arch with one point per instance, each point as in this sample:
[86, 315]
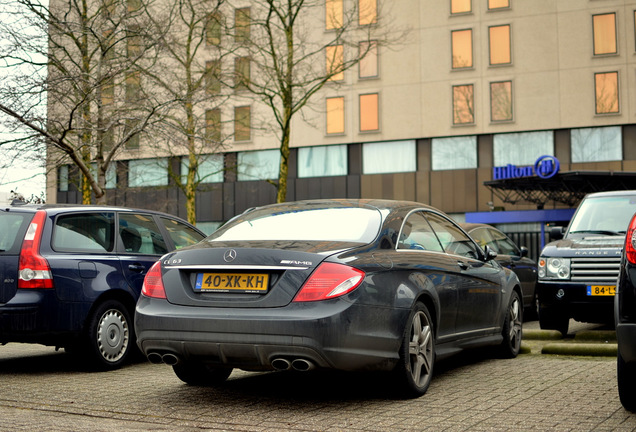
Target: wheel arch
[122, 296]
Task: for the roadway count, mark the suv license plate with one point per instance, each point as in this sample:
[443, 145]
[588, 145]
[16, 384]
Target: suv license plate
[232, 282]
[601, 290]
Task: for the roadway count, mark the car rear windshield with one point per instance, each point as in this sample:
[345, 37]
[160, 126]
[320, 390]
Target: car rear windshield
[13, 226]
[604, 215]
[357, 225]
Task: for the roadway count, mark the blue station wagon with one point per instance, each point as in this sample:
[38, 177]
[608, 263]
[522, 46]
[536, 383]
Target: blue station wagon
[71, 275]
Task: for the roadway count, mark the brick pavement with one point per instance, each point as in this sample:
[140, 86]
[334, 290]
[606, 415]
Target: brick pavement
[45, 391]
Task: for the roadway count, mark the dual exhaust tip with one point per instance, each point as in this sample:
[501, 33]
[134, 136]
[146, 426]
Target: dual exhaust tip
[300, 364]
[166, 358]
[279, 364]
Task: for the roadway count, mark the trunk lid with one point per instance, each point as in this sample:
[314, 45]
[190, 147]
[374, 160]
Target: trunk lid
[243, 274]
[13, 226]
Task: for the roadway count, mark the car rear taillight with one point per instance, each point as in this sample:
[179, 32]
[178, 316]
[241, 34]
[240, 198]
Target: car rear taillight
[328, 281]
[34, 270]
[153, 284]
[630, 241]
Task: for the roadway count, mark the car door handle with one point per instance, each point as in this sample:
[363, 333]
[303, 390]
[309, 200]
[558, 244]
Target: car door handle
[137, 268]
[462, 265]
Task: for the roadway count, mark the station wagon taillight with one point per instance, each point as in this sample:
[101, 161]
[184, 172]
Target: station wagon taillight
[34, 270]
[153, 284]
[330, 280]
[630, 241]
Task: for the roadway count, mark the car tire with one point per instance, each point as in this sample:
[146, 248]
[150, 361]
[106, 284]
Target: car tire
[553, 319]
[626, 377]
[417, 353]
[512, 327]
[110, 334]
[199, 374]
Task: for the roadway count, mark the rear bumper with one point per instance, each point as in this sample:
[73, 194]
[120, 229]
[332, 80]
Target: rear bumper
[330, 334]
[572, 299]
[36, 316]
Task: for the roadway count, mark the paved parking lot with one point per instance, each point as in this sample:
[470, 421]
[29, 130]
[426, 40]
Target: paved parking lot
[43, 390]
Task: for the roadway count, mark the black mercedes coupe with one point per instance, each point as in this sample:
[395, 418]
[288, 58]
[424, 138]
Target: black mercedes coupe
[371, 285]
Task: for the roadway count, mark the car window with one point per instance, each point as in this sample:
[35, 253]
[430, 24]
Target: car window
[140, 234]
[453, 239]
[505, 245]
[483, 238]
[417, 234]
[181, 234]
[84, 232]
[12, 229]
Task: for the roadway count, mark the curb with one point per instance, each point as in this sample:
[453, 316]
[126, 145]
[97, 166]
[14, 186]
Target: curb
[597, 343]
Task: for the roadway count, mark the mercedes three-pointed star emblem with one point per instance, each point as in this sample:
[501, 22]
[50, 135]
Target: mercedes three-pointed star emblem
[229, 255]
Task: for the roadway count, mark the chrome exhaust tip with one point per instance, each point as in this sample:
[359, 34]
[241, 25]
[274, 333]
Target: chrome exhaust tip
[302, 365]
[281, 364]
[154, 358]
[170, 359]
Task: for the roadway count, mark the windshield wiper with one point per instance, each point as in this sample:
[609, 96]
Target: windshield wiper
[604, 232]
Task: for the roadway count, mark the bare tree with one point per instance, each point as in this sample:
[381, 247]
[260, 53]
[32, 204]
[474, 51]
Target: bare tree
[186, 78]
[290, 59]
[79, 59]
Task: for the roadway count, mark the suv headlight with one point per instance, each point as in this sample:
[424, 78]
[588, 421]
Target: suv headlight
[554, 268]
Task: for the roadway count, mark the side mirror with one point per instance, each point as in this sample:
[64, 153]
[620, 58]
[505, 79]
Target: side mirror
[489, 253]
[556, 233]
[524, 251]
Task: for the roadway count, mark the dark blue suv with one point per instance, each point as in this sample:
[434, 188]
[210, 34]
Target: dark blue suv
[71, 275]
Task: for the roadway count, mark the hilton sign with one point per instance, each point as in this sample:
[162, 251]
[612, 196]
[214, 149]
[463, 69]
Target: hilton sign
[544, 167]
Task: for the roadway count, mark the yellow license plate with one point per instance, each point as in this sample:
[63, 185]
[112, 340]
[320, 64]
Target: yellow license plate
[232, 282]
[601, 290]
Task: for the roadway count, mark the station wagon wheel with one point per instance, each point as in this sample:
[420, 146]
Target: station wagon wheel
[199, 374]
[110, 335]
[417, 354]
[512, 326]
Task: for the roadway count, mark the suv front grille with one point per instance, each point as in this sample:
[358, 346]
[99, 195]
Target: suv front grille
[600, 270]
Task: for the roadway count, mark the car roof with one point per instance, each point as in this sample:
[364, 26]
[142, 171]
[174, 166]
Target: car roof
[611, 193]
[359, 202]
[60, 208]
[472, 226]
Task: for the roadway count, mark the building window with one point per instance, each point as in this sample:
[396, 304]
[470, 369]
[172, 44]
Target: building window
[148, 172]
[522, 148]
[368, 66]
[210, 169]
[62, 178]
[335, 115]
[258, 165]
[212, 81]
[108, 92]
[242, 21]
[213, 29]
[499, 38]
[335, 58]
[131, 133]
[463, 104]
[454, 153]
[367, 12]
[133, 42]
[606, 89]
[501, 101]
[213, 126]
[596, 144]
[389, 157]
[242, 123]
[133, 87]
[369, 117]
[462, 48]
[111, 174]
[460, 6]
[322, 161]
[241, 73]
[498, 4]
[333, 14]
[604, 33]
